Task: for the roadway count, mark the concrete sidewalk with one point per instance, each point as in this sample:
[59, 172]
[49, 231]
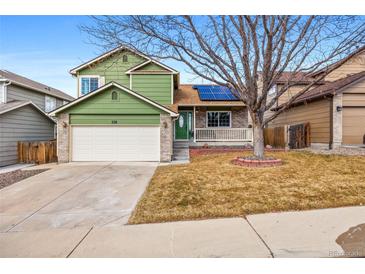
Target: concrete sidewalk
[317, 233]
[336, 232]
[216, 238]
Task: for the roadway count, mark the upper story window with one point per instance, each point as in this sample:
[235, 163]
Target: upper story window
[50, 103]
[64, 102]
[272, 90]
[218, 119]
[89, 84]
[125, 58]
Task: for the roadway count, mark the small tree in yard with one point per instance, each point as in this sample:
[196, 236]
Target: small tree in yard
[245, 53]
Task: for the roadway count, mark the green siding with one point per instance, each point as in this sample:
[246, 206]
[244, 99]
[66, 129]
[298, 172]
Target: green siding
[154, 86]
[113, 68]
[102, 103]
[114, 119]
[151, 66]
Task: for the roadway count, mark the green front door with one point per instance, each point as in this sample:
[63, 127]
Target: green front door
[181, 127]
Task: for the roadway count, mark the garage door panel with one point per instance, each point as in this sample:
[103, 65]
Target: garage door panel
[353, 128]
[115, 143]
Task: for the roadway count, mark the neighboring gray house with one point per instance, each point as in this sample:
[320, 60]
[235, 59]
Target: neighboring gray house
[24, 104]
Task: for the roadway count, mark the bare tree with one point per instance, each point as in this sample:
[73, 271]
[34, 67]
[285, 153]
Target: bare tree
[245, 53]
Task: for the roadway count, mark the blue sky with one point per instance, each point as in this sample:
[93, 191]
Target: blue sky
[45, 48]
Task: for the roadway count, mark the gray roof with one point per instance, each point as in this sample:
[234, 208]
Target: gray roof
[12, 105]
[36, 86]
[6, 107]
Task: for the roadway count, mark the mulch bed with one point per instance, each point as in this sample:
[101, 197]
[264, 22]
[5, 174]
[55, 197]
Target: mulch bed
[9, 178]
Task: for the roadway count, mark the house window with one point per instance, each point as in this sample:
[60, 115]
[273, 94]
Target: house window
[64, 102]
[89, 84]
[218, 119]
[50, 103]
[272, 90]
[114, 96]
[125, 58]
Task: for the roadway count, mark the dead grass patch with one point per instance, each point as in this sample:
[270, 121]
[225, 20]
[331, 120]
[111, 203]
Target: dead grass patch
[210, 186]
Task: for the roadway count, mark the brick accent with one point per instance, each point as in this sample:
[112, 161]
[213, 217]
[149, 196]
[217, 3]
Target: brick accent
[337, 121]
[166, 138]
[200, 117]
[63, 130]
[257, 163]
[239, 116]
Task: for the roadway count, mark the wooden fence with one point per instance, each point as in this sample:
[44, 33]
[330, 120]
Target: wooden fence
[275, 137]
[38, 152]
[299, 136]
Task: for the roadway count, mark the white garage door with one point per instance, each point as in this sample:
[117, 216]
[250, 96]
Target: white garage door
[115, 143]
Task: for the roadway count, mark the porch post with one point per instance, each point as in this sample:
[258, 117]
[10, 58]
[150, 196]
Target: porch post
[194, 124]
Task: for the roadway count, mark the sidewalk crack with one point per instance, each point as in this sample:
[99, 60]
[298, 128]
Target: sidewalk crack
[262, 239]
[172, 239]
[77, 245]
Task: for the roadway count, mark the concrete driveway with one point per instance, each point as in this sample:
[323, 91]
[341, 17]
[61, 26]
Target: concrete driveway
[74, 195]
[79, 210]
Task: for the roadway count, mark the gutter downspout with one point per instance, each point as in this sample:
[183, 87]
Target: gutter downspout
[6, 83]
[330, 145]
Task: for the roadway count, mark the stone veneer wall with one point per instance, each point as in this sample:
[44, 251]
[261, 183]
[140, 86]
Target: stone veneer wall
[337, 121]
[239, 117]
[166, 138]
[63, 129]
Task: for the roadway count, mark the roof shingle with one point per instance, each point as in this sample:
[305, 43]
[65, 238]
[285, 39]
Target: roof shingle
[329, 88]
[23, 81]
[185, 95]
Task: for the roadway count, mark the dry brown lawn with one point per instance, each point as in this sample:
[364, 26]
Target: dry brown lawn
[210, 186]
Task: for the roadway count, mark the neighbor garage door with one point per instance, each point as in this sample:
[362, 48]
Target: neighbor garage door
[353, 122]
[115, 143]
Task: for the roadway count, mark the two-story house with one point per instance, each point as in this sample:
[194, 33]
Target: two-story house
[133, 108]
[334, 107]
[23, 117]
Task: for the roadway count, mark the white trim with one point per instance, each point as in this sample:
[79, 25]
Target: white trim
[151, 73]
[151, 61]
[209, 105]
[114, 125]
[172, 89]
[86, 76]
[194, 124]
[130, 81]
[219, 111]
[224, 135]
[74, 70]
[25, 104]
[172, 113]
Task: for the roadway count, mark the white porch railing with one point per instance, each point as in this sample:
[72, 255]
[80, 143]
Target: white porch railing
[223, 134]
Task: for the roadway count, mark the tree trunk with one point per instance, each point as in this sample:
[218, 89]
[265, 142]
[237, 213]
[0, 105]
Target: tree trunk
[258, 141]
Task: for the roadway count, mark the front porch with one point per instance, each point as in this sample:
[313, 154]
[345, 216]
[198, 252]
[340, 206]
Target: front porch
[213, 126]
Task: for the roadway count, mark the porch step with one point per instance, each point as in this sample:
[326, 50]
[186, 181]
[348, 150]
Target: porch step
[181, 154]
[181, 144]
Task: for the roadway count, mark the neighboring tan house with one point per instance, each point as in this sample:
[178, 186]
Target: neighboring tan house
[132, 108]
[335, 108]
[23, 117]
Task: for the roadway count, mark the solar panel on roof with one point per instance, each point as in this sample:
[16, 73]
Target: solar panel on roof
[215, 93]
